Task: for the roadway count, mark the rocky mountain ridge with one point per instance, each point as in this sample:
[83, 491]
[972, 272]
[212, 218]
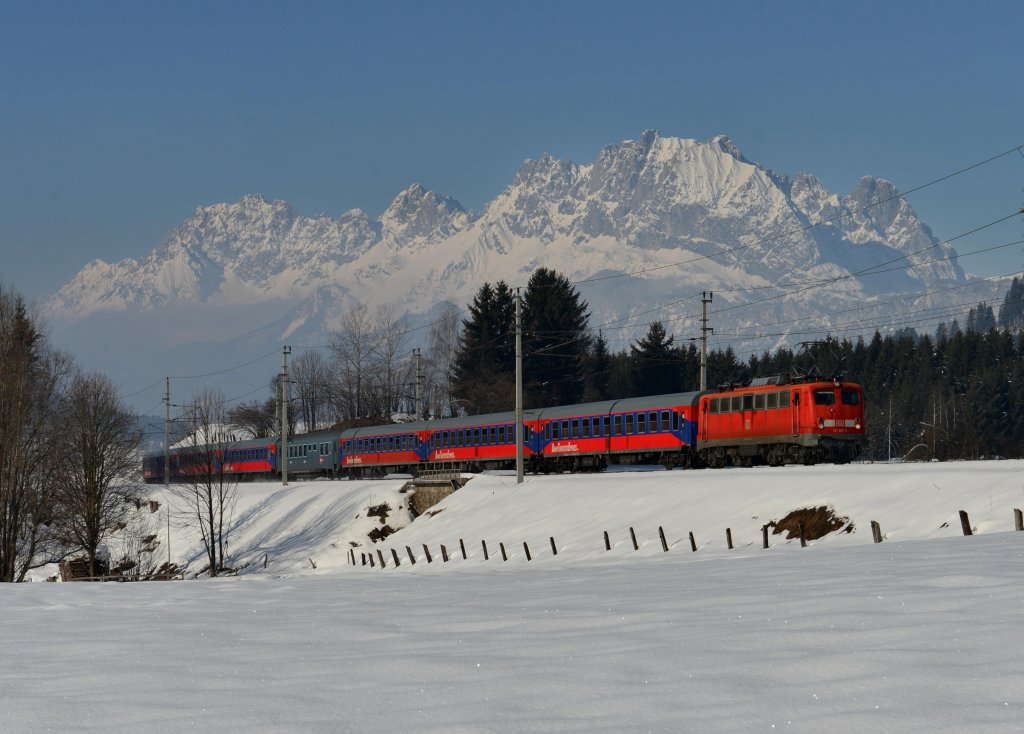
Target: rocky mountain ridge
[672, 216]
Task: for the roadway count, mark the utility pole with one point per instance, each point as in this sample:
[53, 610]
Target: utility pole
[705, 299]
[167, 437]
[519, 389]
[285, 351]
[167, 468]
[419, 379]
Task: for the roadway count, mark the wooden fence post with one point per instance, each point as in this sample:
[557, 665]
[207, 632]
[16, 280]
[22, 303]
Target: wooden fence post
[632, 536]
[381, 556]
[1018, 520]
[463, 547]
[412, 558]
[764, 536]
[363, 556]
[373, 563]
[311, 563]
[484, 544]
[693, 543]
[800, 528]
[965, 523]
[504, 555]
[664, 543]
[266, 556]
[876, 532]
[444, 553]
[728, 537]
[607, 542]
[554, 548]
[527, 549]
[426, 552]
[394, 555]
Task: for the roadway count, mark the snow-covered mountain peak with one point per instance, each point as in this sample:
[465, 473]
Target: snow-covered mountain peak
[417, 213]
[683, 213]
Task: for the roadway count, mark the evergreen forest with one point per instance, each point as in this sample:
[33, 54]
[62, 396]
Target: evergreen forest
[949, 395]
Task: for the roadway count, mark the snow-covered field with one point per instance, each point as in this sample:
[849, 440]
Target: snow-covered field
[920, 633]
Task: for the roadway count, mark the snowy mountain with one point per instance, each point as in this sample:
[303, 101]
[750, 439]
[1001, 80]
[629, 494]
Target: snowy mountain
[681, 216]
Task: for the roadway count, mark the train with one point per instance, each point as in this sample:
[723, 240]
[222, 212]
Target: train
[771, 421]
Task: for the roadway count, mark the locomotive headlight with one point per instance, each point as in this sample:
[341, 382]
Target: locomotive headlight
[857, 425]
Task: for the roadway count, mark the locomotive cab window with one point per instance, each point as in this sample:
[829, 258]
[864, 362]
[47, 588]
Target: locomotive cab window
[772, 400]
[824, 397]
[850, 397]
[737, 403]
[759, 402]
[783, 399]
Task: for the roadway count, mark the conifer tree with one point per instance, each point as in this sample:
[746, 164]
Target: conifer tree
[556, 339]
[656, 363]
[483, 378]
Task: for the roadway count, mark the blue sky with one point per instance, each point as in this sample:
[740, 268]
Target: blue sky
[118, 119]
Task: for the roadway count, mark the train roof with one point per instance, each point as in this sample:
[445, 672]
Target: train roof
[440, 424]
[648, 402]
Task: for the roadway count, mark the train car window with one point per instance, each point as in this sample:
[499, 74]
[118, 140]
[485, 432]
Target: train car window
[574, 426]
[850, 397]
[737, 403]
[476, 436]
[666, 418]
[617, 431]
[652, 421]
[784, 399]
[606, 425]
[714, 406]
[759, 401]
[527, 433]
[824, 397]
[629, 423]
[586, 427]
[565, 429]
[641, 423]
[771, 400]
[748, 402]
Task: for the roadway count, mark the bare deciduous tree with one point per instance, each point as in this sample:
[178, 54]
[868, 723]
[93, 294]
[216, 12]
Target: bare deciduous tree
[392, 371]
[205, 490]
[256, 419]
[97, 479]
[32, 380]
[439, 398]
[311, 390]
[353, 346]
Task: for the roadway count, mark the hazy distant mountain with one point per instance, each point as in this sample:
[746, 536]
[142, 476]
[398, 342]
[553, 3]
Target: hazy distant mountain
[685, 216]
